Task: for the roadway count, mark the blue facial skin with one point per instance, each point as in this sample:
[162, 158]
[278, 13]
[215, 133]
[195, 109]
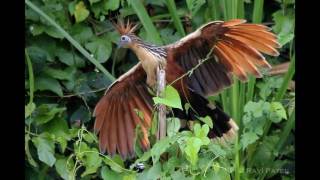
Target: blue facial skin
[124, 41]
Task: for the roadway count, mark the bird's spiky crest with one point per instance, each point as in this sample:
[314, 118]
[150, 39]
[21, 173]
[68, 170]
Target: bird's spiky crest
[123, 28]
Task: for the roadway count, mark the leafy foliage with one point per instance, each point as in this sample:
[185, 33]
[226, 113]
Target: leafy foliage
[63, 82]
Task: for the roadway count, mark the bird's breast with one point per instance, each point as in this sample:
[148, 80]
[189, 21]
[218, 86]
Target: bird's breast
[150, 64]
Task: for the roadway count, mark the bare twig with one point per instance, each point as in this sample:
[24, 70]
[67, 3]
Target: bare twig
[161, 84]
[71, 95]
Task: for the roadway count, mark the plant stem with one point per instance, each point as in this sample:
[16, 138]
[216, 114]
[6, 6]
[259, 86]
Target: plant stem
[70, 39]
[31, 77]
[176, 19]
[286, 131]
[145, 19]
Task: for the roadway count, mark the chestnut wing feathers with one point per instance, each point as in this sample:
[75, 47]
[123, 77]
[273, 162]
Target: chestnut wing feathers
[116, 116]
[237, 48]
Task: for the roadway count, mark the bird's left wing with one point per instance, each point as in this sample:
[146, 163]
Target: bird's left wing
[116, 115]
[236, 49]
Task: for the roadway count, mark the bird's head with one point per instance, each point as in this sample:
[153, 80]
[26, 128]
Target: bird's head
[126, 31]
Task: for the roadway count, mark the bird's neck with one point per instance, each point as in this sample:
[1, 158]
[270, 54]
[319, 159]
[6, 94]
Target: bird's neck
[151, 57]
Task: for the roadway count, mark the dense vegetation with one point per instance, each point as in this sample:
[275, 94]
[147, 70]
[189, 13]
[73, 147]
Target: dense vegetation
[72, 56]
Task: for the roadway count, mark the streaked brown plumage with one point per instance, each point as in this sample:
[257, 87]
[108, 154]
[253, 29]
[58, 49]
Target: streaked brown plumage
[236, 50]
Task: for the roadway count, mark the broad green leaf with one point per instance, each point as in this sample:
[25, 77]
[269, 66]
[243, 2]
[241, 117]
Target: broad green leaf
[90, 138]
[207, 120]
[171, 99]
[284, 25]
[170, 165]
[59, 128]
[46, 112]
[45, 150]
[68, 58]
[216, 149]
[247, 139]
[111, 5]
[36, 29]
[81, 12]
[108, 174]
[53, 32]
[277, 112]
[91, 161]
[159, 148]
[72, 7]
[81, 114]
[285, 38]
[65, 74]
[93, 1]
[192, 149]
[178, 175]
[47, 83]
[28, 109]
[151, 174]
[265, 151]
[62, 169]
[173, 126]
[81, 33]
[101, 49]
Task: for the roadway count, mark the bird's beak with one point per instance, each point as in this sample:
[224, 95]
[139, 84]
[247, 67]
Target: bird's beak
[119, 44]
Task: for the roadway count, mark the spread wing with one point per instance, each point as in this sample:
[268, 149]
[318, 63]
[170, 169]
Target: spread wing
[237, 48]
[116, 116]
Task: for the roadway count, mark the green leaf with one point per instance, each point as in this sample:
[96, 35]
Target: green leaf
[173, 126]
[65, 74]
[81, 12]
[171, 99]
[108, 174]
[192, 149]
[28, 109]
[248, 138]
[101, 49]
[111, 5]
[45, 150]
[159, 148]
[81, 33]
[36, 29]
[277, 112]
[265, 151]
[178, 175]
[285, 38]
[93, 1]
[81, 114]
[217, 150]
[207, 120]
[151, 174]
[69, 59]
[62, 169]
[53, 32]
[92, 161]
[284, 25]
[46, 112]
[194, 5]
[59, 128]
[47, 83]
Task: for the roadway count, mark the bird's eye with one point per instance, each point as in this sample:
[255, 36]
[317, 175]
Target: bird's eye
[123, 38]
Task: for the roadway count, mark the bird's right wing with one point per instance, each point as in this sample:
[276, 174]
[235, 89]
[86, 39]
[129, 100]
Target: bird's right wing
[236, 49]
[116, 115]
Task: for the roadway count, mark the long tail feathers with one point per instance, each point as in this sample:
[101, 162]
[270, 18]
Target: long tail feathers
[240, 46]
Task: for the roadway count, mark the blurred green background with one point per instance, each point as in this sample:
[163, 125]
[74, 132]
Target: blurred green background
[72, 56]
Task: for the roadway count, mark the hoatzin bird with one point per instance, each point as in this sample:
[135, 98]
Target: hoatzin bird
[235, 47]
